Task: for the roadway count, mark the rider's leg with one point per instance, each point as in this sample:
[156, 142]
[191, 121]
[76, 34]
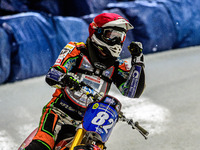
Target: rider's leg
[44, 138]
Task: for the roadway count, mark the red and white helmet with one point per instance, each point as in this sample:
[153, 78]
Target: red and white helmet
[108, 32]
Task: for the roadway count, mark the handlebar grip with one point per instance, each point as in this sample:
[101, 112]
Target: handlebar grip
[141, 129]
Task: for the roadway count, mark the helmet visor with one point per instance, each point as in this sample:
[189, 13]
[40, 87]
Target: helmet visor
[114, 36]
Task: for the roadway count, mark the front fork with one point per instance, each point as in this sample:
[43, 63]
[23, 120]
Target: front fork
[77, 138]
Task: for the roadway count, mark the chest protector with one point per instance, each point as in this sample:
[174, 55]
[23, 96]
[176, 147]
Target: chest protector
[98, 79]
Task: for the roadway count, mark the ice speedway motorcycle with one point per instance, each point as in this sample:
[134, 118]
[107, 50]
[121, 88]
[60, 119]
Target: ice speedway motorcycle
[99, 119]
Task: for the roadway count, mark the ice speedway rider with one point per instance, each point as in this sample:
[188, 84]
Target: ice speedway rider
[95, 62]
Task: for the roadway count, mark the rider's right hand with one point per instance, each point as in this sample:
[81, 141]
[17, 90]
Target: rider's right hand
[67, 80]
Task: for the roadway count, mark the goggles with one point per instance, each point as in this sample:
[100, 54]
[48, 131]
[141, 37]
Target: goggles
[114, 36]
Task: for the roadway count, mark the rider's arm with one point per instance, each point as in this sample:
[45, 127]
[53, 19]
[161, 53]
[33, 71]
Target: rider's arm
[64, 63]
[131, 82]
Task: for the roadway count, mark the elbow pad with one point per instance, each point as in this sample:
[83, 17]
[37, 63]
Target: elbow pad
[53, 77]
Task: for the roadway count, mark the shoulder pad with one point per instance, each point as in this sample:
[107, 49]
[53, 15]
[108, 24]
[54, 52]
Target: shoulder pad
[70, 46]
[80, 45]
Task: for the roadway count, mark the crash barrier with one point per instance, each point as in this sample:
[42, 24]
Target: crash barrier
[32, 45]
[31, 42]
[35, 43]
[185, 15]
[5, 52]
[74, 8]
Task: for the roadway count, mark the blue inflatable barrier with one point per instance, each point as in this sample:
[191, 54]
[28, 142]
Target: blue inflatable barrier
[185, 15]
[34, 42]
[5, 61]
[70, 29]
[74, 8]
[37, 42]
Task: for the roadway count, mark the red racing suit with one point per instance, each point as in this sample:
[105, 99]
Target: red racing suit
[74, 59]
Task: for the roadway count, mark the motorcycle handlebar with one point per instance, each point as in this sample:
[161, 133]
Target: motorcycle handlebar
[94, 95]
[135, 125]
[144, 132]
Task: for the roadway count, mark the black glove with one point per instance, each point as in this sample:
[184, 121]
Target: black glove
[67, 80]
[135, 49]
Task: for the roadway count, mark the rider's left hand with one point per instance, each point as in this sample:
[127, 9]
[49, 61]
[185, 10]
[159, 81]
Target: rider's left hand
[135, 48]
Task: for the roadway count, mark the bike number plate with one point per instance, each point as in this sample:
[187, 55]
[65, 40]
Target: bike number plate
[100, 118]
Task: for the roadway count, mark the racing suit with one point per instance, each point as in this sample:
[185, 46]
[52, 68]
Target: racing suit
[68, 104]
